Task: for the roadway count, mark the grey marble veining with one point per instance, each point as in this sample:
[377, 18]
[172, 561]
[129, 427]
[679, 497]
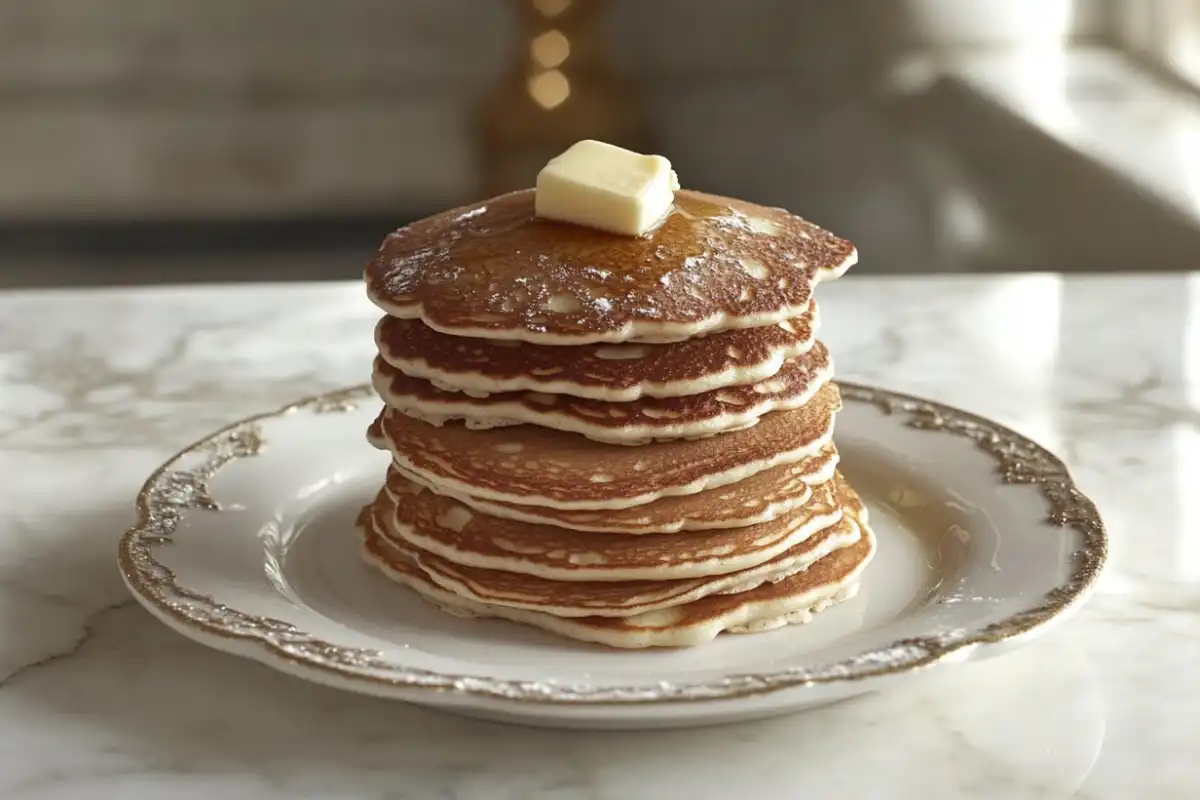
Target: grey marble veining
[98, 700]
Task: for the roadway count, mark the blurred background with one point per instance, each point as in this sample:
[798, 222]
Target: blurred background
[149, 141]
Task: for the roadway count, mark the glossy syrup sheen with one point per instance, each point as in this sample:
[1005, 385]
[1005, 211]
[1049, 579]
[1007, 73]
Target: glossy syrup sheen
[496, 266]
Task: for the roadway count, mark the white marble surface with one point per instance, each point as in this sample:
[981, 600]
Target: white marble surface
[98, 700]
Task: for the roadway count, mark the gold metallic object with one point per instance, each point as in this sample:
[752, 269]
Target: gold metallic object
[560, 89]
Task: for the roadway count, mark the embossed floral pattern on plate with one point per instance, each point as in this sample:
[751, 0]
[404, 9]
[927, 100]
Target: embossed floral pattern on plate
[182, 487]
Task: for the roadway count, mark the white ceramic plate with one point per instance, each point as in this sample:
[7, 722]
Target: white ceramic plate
[245, 543]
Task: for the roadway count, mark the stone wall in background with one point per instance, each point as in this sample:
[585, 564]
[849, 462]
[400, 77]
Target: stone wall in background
[129, 108]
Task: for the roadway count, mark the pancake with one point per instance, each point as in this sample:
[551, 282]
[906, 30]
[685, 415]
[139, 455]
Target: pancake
[759, 498]
[602, 598]
[617, 373]
[648, 419]
[493, 270]
[791, 600]
[450, 530]
[529, 465]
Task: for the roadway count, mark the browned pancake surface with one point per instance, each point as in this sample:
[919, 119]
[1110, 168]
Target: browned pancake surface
[609, 372]
[494, 269]
[648, 417]
[832, 569]
[431, 521]
[758, 498]
[529, 464]
[596, 597]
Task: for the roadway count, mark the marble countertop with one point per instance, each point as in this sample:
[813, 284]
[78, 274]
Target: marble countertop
[98, 700]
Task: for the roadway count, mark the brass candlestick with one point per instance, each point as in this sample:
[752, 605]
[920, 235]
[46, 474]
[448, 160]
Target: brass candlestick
[560, 89]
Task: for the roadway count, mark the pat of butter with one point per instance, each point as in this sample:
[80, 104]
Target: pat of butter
[606, 187]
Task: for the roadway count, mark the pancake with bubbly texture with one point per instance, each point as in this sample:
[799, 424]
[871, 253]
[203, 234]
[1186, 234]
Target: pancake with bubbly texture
[760, 498]
[617, 373]
[790, 600]
[530, 465]
[493, 270]
[601, 598]
[634, 423]
[450, 530]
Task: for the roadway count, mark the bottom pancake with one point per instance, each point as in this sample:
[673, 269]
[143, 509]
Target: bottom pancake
[790, 600]
[574, 598]
[410, 514]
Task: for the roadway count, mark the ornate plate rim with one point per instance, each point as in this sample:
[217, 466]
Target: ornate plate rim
[171, 492]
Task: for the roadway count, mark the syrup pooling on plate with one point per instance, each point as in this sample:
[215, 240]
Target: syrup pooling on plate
[494, 270]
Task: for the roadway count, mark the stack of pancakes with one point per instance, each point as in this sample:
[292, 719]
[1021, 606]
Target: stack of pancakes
[624, 440]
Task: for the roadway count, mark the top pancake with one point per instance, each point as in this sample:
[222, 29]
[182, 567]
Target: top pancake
[494, 270]
[618, 373]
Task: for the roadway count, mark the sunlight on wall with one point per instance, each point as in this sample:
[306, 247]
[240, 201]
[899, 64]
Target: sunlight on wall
[1187, 447]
